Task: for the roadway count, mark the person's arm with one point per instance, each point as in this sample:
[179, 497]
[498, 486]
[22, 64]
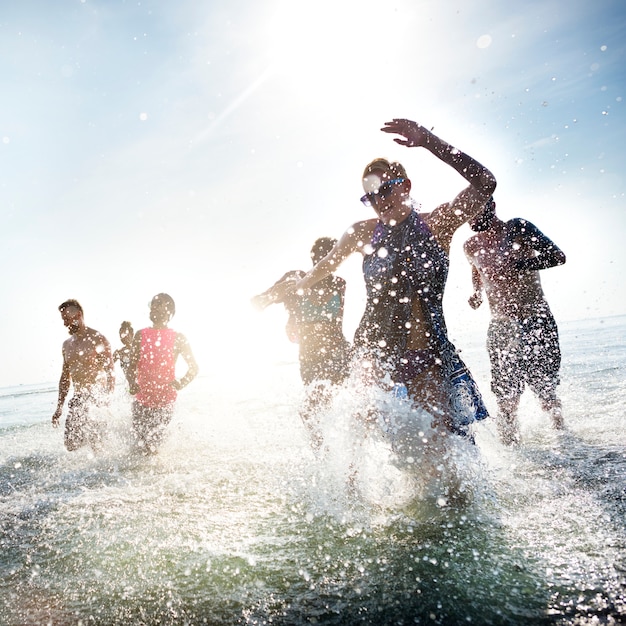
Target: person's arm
[548, 253]
[64, 387]
[277, 292]
[445, 219]
[133, 361]
[355, 238]
[341, 289]
[183, 348]
[107, 364]
[476, 299]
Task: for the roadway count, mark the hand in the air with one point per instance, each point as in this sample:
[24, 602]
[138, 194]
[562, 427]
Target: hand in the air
[414, 134]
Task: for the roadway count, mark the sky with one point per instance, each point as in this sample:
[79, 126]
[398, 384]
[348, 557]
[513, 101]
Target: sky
[199, 148]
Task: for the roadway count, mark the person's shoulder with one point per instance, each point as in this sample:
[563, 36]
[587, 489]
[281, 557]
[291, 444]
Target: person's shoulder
[520, 227]
[519, 222]
[92, 332]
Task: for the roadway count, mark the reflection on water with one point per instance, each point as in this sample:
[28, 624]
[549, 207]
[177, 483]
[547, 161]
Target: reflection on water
[236, 522]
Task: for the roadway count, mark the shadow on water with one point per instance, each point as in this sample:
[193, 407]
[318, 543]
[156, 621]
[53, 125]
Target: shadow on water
[589, 571]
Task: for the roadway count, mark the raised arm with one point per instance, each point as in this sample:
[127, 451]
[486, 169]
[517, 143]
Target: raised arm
[548, 253]
[445, 219]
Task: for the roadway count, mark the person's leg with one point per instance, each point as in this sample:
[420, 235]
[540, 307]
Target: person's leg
[507, 422]
[507, 384]
[544, 365]
[318, 397]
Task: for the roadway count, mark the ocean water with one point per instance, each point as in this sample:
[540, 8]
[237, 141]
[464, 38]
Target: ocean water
[236, 521]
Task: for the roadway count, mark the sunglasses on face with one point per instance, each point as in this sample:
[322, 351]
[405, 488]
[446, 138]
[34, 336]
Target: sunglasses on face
[383, 192]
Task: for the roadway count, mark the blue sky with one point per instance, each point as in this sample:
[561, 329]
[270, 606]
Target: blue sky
[200, 147]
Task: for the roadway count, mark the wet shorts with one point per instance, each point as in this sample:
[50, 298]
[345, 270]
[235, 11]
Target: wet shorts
[149, 424]
[524, 353]
[81, 428]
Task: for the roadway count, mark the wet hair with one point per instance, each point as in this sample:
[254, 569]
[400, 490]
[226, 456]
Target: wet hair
[392, 168]
[167, 300]
[321, 247]
[71, 302]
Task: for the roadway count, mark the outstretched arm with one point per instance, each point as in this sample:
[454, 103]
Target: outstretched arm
[277, 292]
[548, 253]
[183, 348]
[445, 219]
[354, 239]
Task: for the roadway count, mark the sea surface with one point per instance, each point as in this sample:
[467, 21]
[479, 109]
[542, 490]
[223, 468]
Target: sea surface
[236, 521]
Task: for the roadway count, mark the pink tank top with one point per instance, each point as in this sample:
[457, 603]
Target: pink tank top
[156, 367]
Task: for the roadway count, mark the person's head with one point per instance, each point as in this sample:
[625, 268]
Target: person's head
[386, 187]
[321, 247]
[126, 333]
[72, 315]
[484, 220]
[162, 309]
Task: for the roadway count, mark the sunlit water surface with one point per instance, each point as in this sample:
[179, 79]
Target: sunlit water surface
[235, 521]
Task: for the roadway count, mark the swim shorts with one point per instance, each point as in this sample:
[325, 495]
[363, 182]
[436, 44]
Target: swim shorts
[81, 428]
[149, 424]
[524, 352]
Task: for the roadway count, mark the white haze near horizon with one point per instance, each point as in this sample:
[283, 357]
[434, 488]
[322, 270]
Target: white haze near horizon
[200, 148]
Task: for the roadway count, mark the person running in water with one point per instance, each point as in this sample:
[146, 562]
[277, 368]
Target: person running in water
[405, 266]
[523, 338]
[152, 374]
[316, 324]
[88, 366]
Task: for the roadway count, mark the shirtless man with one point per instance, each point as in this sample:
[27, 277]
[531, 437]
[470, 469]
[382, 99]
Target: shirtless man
[523, 339]
[88, 365]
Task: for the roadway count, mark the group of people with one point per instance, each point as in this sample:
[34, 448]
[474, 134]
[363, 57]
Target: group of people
[402, 337]
[148, 360]
[401, 340]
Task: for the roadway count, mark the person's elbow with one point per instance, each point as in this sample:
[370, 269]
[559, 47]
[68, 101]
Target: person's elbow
[488, 183]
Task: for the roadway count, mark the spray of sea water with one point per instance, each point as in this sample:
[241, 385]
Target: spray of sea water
[237, 521]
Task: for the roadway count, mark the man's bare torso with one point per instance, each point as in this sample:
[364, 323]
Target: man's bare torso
[85, 354]
[511, 293]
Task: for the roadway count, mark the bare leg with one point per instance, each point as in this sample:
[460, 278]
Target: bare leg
[507, 422]
[554, 408]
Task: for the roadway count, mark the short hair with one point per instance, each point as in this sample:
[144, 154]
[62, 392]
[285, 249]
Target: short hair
[167, 300]
[321, 247]
[69, 303]
[393, 169]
